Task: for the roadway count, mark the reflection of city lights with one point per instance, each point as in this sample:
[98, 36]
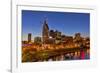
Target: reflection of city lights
[47, 45]
[50, 37]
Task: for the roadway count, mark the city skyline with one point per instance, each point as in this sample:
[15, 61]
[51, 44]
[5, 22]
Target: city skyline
[66, 22]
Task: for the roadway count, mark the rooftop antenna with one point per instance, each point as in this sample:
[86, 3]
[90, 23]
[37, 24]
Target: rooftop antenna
[45, 21]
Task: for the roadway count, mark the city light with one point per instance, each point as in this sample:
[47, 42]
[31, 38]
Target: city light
[54, 44]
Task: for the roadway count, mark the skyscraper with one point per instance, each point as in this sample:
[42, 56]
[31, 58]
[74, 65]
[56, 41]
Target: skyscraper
[29, 37]
[37, 40]
[45, 32]
[52, 33]
[77, 36]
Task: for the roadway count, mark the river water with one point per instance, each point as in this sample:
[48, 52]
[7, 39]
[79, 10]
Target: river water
[80, 55]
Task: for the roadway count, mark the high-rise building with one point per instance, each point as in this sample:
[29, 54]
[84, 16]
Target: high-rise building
[37, 40]
[29, 37]
[77, 37]
[45, 32]
[58, 34]
[52, 34]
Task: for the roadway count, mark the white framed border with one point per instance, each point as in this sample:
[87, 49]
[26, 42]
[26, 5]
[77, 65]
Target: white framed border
[17, 66]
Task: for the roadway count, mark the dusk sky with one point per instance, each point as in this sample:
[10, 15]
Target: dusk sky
[66, 22]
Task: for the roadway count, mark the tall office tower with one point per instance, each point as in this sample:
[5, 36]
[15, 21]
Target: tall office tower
[29, 37]
[77, 36]
[45, 32]
[52, 33]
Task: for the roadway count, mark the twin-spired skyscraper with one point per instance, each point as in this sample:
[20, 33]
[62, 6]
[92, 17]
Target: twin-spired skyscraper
[45, 32]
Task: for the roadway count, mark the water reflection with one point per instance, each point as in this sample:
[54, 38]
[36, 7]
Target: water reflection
[78, 55]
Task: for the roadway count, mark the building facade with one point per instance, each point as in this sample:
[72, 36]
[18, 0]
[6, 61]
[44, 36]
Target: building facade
[29, 37]
[45, 32]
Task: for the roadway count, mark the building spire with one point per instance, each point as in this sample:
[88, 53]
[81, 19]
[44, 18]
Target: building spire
[45, 21]
[45, 24]
[45, 31]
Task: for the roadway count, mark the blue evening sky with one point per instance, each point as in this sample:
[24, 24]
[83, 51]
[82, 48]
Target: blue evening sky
[66, 22]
